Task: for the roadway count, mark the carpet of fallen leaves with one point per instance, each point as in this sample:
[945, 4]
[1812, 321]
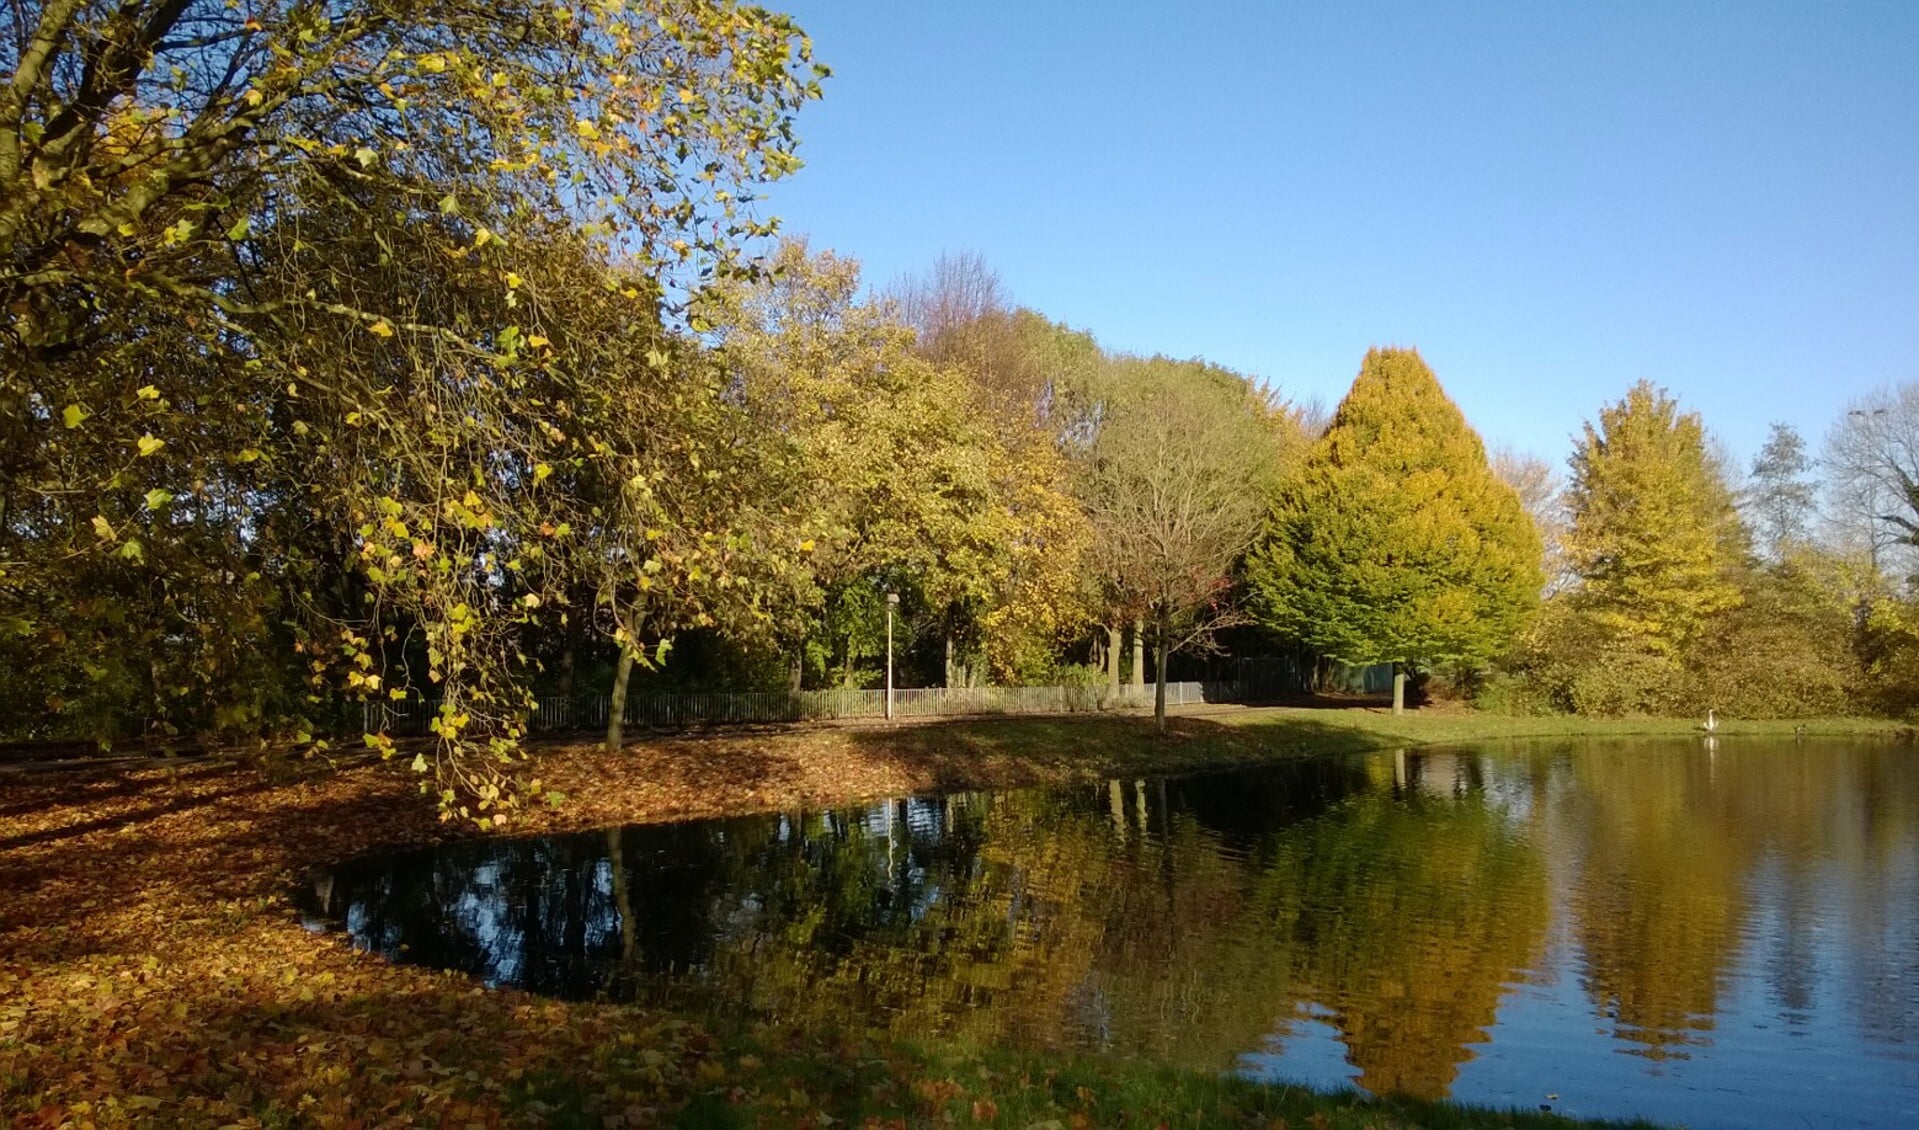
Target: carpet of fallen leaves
[153, 969]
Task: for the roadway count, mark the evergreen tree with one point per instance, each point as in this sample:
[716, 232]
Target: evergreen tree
[1655, 539]
[1780, 498]
[1394, 541]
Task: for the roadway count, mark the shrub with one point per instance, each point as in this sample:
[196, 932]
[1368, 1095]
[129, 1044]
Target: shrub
[1514, 693]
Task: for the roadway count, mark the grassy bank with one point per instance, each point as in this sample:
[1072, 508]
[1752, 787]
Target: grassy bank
[152, 968]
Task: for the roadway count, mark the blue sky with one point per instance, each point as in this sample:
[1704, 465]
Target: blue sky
[1550, 200]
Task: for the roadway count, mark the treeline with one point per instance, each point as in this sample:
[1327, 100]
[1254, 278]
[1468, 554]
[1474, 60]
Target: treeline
[420, 350]
[1681, 585]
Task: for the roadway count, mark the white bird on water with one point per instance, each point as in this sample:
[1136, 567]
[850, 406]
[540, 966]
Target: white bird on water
[1711, 725]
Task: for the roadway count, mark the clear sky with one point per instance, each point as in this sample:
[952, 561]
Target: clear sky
[1550, 200]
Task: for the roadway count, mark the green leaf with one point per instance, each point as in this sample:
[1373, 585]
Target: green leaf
[132, 551]
[74, 415]
[419, 763]
[366, 156]
[240, 228]
[156, 498]
[102, 528]
[148, 445]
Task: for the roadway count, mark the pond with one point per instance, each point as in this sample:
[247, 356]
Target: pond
[1710, 935]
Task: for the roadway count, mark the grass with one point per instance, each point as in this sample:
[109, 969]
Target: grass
[153, 969]
[1057, 749]
[954, 1084]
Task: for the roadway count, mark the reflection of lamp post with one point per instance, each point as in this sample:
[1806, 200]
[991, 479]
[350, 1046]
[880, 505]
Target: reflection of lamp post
[892, 602]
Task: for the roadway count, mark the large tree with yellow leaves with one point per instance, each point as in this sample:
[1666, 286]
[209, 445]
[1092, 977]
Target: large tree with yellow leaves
[1656, 540]
[334, 343]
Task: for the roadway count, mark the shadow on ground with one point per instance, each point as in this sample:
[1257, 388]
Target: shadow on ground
[1017, 751]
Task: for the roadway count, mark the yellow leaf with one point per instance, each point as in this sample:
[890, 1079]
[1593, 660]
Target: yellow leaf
[102, 528]
[74, 415]
[382, 328]
[148, 393]
[148, 445]
[541, 471]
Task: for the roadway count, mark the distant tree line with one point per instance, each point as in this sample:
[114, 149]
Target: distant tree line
[1790, 591]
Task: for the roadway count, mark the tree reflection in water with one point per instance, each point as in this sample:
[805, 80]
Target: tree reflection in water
[1399, 899]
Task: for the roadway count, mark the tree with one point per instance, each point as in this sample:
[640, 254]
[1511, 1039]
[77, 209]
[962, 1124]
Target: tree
[1779, 496]
[1872, 455]
[1030, 376]
[1655, 539]
[1542, 492]
[893, 473]
[318, 307]
[1175, 480]
[1394, 541]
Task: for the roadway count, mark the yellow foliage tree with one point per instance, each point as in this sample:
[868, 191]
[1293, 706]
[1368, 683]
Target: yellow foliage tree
[1655, 539]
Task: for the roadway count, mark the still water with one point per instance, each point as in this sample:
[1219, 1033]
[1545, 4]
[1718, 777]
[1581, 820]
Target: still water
[1710, 936]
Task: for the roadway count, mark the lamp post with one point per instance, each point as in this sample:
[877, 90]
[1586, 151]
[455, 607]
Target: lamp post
[892, 602]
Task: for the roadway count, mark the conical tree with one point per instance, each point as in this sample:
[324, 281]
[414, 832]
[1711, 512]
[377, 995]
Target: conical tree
[1394, 541]
[1655, 538]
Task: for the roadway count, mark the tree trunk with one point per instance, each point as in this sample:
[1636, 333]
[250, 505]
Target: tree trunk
[1113, 647]
[616, 710]
[623, 903]
[1139, 652]
[566, 671]
[1164, 631]
[797, 678]
[1399, 688]
[950, 681]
